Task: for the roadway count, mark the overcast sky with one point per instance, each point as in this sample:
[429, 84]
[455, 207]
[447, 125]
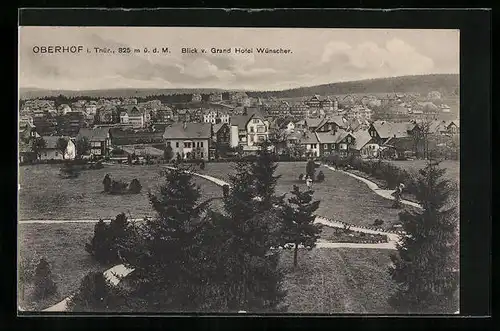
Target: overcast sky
[318, 56]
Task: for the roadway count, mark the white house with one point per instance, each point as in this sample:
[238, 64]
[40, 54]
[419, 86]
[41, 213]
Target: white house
[51, 152]
[135, 117]
[257, 130]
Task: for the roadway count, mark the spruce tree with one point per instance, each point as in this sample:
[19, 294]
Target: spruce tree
[298, 219]
[426, 268]
[164, 252]
[263, 170]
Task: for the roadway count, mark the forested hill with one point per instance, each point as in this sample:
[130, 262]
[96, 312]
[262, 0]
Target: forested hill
[447, 84]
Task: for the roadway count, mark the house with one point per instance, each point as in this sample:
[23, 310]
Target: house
[131, 136]
[314, 101]
[445, 108]
[434, 95]
[248, 130]
[196, 97]
[51, 152]
[189, 140]
[332, 123]
[63, 109]
[239, 130]
[312, 123]
[99, 139]
[257, 129]
[311, 144]
[238, 97]
[214, 117]
[339, 141]
[70, 123]
[164, 115]
[363, 145]
[443, 127]
[222, 134]
[215, 97]
[130, 101]
[453, 127]
[381, 131]
[395, 147]
[183, 115]
[135, 116]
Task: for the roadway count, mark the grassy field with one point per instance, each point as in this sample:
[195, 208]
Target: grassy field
[63, 247]
[326, 280]
[342, 197]
[330, 281]
[44, 195]
[452, 167]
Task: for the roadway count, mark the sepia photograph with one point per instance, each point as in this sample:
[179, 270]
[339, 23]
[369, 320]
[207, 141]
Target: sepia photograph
[238, 170]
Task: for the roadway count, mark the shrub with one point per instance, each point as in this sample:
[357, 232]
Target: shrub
[378, 222]
[44, 284]
[301, 177]
[320, 177]
[118, 187]
[202, 165]
[96, 294]
[105, 244]
[135, 186]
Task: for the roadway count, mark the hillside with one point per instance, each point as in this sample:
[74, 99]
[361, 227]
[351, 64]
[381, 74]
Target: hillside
[447, 84]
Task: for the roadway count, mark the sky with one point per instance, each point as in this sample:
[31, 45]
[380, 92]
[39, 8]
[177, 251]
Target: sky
[318, 56]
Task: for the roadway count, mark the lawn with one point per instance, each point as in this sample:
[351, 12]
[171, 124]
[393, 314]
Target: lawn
[44, 195]
[63, 247]
[342, 197]
[333, 281]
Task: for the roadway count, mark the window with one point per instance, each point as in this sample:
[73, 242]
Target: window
[177, 144]
[168, 143]
[187, 144]
[201, 145]
[313, 146]
[325, 146]
[255, 121]
[201, 154]
[251, 129]
[57, 154]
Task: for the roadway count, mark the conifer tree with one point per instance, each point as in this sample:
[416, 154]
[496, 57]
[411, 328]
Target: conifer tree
[426, 268]
[263, 170]
[165, 252]
[298, 219]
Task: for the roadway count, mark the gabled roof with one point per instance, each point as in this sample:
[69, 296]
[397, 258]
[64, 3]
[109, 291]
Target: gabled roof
[240, 121]
[309, 138]
[51, 141]
[188, 131]
[390, 129]
[314, 122]
[218, 126]
[95, 134]
[329, 138]
[362, 137]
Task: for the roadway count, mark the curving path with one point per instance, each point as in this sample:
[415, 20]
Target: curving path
[113, 274]
[117, 272]
[374, 187]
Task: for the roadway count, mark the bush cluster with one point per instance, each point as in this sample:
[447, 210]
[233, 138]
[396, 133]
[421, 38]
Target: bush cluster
[387, 172]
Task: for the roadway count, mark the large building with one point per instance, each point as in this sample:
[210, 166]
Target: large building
[189, 140]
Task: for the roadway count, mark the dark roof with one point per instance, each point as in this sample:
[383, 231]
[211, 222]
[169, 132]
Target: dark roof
[314, 122]
[240, 121]
[95, 134]
[218, 126]
[188, 131]
[329, 138]
[309, 138]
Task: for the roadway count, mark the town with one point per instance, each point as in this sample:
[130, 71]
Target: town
[226, 125]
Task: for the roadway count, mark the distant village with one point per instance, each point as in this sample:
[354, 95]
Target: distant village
[213, 126]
